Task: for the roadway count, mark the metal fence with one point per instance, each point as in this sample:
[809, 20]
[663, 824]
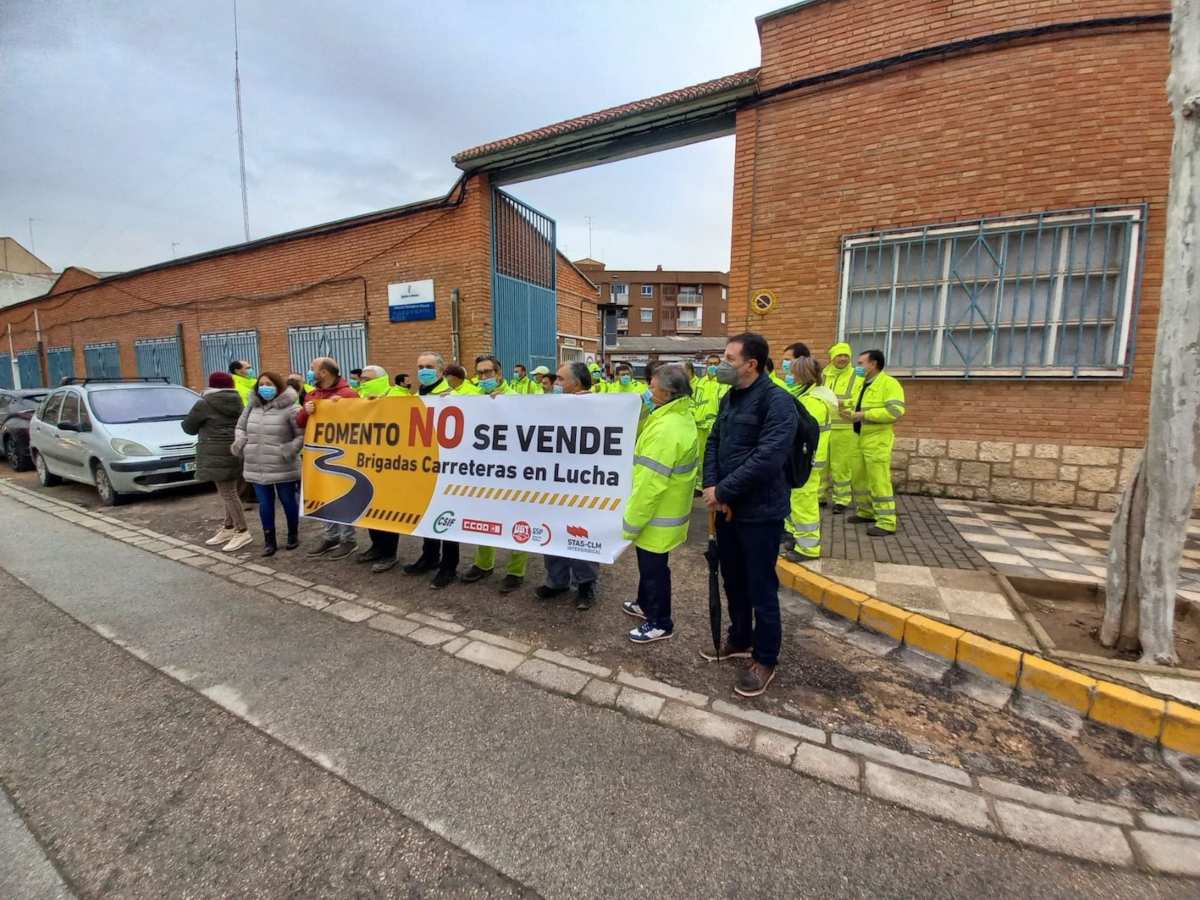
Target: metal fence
[60, 362]
[219, 349]
[524, 303]
[159, 358]
[1048, 294]
[6, 372]
[29, 369]
[102, 360]
[346, 343]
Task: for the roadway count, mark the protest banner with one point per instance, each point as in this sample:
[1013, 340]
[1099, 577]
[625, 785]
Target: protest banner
[549, 474]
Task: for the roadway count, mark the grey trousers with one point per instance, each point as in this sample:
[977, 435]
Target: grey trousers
[560, 570]
[336, 531]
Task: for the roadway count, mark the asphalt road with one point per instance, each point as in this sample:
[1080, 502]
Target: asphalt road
[360, 764]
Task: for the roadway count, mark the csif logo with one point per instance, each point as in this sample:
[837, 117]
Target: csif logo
[444, 522]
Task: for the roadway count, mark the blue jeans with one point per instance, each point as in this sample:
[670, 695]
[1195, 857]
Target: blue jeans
[288, 493]
[654, 588]
[748, 552]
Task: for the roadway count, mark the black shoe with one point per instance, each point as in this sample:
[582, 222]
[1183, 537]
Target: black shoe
[421, 566]
[342, 550]
[838, 509]
[549, 592]
[474, 574]
[876, 531]
[510, 583]
[293, 540]
[856, 518]
[586, 597]
[370, 555]
[823, 504]
[324, 547]
[442, 579]
[384, 565]
[269, 545]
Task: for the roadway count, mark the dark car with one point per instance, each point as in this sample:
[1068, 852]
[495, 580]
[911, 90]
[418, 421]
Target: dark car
[16, 409]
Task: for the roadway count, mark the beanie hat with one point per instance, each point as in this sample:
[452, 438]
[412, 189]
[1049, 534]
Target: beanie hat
[220, 380]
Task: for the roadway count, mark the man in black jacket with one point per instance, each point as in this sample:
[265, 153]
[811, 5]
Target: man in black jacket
[746, 483]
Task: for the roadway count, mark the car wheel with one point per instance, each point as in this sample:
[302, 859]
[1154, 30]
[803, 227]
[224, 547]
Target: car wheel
[108, 495]
[45, 477]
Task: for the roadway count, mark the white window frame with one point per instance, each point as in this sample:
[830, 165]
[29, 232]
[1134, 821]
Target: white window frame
[1128, 301]
[647, 290]
[646, 314]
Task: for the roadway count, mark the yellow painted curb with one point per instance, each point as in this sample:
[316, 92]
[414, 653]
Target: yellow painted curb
[844, 602]
[933, 636]
[989, 658]
[1040, 676]
[1181, 728]
[883, 618]
[1128, 710]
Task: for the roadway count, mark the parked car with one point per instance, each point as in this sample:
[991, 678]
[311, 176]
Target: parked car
[120, 434]
[16, 409]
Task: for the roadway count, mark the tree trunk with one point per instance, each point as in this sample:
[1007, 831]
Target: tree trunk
[1121, 608]
[1171, 463]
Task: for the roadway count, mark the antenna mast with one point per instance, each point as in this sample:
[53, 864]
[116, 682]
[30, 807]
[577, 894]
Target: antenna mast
[237, 92]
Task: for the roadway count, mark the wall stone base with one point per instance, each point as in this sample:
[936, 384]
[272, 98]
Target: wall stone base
[1011, 472]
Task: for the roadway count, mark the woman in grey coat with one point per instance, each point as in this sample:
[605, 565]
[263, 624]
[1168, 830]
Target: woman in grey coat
[269, 442]
[214, 418]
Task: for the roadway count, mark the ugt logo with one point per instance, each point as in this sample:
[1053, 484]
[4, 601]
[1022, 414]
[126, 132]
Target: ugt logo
[444, 522]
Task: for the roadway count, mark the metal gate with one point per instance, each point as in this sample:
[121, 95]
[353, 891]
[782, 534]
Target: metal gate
[6, 372]
[60, 361]
[159, 358]
[102, 360]
[29, 368]
[346, 343]
[219, 349]
[524, 310]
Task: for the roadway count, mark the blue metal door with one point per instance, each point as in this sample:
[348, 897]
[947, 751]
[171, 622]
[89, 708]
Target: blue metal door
[524, 306]
[102, 360]
[219, 349]
[60, 361]
[159, 358]
[29, 368]
[6, 372]
[345, 343]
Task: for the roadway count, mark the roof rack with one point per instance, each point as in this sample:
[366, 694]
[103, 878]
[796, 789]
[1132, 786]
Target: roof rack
[117, 380]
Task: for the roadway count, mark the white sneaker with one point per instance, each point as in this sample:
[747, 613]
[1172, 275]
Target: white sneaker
[221, 536]
[240, 540]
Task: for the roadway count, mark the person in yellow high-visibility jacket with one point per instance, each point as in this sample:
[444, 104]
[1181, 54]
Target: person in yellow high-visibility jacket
[839, 376]
[878, 405]
[599, 385]
[521, 383]
[803, 524]
[374, 381]
[625, 383]
[245, 379]
[706, 400]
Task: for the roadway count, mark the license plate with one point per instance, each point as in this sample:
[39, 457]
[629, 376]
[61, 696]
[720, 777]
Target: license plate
[187, 467]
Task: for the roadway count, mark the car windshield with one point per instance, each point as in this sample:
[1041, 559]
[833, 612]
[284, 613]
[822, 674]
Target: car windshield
[123, 406]
[27, 402]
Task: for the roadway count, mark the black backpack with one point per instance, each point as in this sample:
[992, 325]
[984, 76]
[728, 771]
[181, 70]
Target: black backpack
[804, 448]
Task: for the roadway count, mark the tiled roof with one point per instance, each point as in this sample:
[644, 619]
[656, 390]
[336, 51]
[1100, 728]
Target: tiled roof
[695, 92]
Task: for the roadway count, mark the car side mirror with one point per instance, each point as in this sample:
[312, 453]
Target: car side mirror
[68, 426]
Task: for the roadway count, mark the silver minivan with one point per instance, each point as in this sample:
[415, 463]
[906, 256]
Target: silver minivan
[120, 434]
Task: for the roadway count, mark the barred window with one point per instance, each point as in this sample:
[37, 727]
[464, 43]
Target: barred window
[1046, 295]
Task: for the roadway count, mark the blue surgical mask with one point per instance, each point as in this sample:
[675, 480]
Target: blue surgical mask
[267, 392]
[310, 376]
[789, 379]
[648, 400]
[427, 376]
[557, 389]
[712, 370]
[489, 384]
[250, 373]
[517, 375]
[786, 365]
[860, 371]
[626, 379]
[353, 382]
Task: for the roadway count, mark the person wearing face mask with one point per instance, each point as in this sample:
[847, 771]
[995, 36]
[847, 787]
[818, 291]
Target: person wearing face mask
[269, 439]
[706, 399]
[550, 384]
[625, 382]
[599, 385]
[878, 405]
[214, 419]
[791, 353]
[374, 381]
[574, 380]
[329, 387]
[356, 378]
[243, 378]
[746, 484]
[490, 376]
[840, 377]
[803, 525]
[521, 383]
[544, 378]
[660, 506]
[297, 383]
[460, 384]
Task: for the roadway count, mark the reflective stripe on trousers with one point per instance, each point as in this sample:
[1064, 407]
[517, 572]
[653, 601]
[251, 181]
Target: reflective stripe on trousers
[804, 522]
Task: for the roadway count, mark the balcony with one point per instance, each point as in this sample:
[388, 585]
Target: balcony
[619, 294]
[689, 326]
[690, 298]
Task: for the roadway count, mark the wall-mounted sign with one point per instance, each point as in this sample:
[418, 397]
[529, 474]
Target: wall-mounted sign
[411, 301]
[762, 302]
[570, 342]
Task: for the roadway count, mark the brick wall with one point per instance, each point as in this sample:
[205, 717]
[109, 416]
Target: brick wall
[1042, 125]
[577, 299]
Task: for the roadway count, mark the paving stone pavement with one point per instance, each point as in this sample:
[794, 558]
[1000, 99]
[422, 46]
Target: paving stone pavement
[925, 537]
[1084, 831]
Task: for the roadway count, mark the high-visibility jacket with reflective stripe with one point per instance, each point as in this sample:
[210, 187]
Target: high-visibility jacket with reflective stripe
[846, 384]
[380, 387]
[882, 401]
[245, 387]
[664, 479]
[524, 385]
[820, 411]
[634, 387]
[706, 400]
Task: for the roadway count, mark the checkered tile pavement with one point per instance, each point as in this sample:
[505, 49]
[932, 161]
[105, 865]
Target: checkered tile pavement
[1065, 544]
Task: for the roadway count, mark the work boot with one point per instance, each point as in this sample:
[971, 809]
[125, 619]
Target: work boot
[421, 566]
[838, 509]
[876, 531]
[324, 547]
[293, 539]
[342, 550]
[549, 591]
[369, 555]
[728, 651]
[856, 519]
[586, 597]
[269, 545]
[474, 574]
[753, 680]
[384, 565]
[510, 583]
[442, 579]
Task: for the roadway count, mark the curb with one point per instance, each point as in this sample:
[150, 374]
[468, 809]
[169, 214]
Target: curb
[1167, 722]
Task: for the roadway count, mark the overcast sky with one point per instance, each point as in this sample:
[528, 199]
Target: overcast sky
[119, 131]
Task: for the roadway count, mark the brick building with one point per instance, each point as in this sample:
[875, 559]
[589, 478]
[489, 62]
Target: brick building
[281, 300]
[657, 303]
[976, 187]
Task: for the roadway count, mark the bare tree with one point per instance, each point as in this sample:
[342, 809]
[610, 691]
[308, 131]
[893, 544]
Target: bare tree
[1148, 535]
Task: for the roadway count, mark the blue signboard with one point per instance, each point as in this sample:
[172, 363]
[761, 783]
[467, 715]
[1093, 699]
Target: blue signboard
[411, 301]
